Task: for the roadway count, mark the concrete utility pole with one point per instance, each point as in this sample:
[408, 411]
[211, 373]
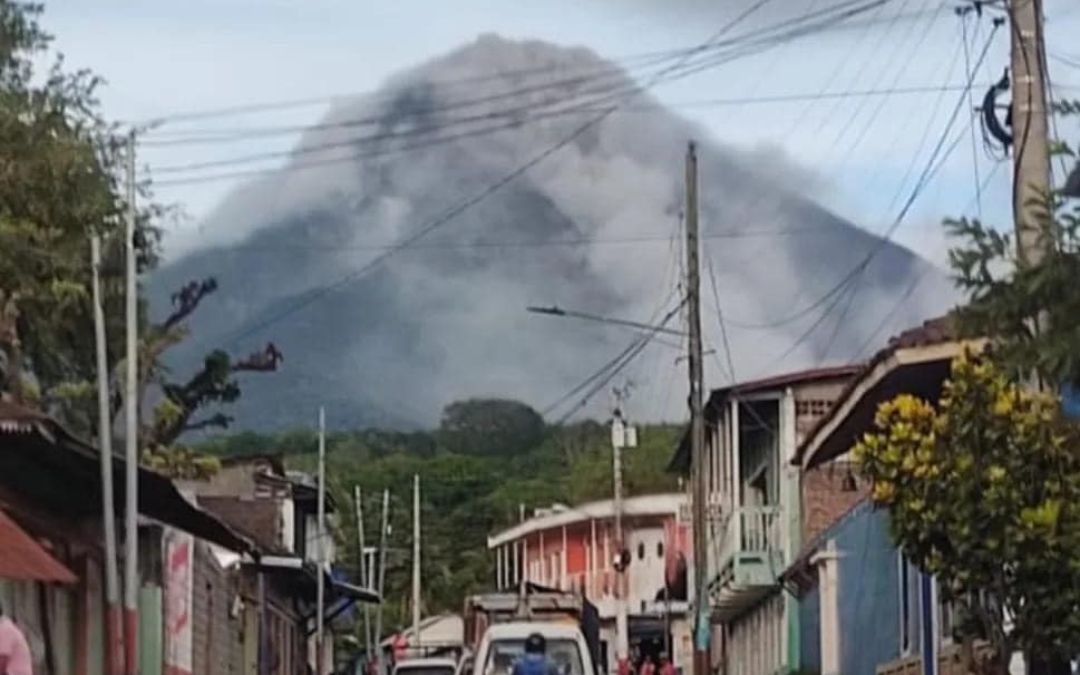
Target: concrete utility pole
[702, 628]
[1031, 153]
[320, 527]
[131, 429]
[622, 436]
[384, 530]
[363, 571]
[113, 623]
[416, 561]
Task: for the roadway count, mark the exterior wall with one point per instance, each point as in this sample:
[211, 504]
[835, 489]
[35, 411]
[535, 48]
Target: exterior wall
[810, 627]
[869, 592]
[756, 640]
[824, 498]
[217, 638]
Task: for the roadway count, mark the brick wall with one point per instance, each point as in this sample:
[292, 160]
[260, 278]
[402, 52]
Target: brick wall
[825, 498]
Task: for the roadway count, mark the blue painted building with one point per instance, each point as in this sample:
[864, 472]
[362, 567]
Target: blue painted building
[859, 602]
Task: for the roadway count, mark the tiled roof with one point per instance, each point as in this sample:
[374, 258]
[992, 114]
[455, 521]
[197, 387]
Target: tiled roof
[934, 331]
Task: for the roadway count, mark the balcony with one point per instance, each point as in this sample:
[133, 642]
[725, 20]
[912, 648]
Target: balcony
[750, 559]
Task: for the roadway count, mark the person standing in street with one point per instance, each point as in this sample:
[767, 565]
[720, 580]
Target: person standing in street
[14, 650]
[666, 666]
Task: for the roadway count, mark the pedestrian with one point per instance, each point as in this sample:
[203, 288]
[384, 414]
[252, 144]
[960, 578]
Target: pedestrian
[535, 660]
[666, 667]
[647, 666]
[14, 650]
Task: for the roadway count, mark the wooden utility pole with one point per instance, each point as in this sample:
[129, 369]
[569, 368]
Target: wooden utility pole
[622, 436]
[416, 561]
[363, 571]
[702, 628]
[384, 530]
[113, 623]
[320, 527]
[1031, 150]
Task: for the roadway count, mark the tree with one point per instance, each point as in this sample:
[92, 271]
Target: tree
[984, 493]
[490, 427]
[57, 186]
[215, 383]
[1028, 310]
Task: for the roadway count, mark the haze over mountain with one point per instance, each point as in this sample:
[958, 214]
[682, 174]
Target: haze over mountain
[589, 229]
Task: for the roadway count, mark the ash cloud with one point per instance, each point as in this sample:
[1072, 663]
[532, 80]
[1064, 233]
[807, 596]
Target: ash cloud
[446, 319]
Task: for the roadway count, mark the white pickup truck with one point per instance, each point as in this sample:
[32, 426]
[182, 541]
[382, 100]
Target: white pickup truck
[504, 643]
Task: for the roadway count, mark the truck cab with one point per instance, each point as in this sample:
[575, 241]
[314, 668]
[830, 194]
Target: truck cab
[504, 643]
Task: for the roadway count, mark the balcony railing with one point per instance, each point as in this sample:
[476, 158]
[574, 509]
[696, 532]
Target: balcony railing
[751, 529]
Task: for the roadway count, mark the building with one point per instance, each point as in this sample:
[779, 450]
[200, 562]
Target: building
[573, 549]
[865, 608]
[51, 550]
[760, 509]
[278, 511]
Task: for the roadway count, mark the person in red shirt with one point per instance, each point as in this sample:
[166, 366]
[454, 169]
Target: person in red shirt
[666, 666]
[647, 666]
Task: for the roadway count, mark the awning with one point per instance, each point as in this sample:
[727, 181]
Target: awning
[23, 559]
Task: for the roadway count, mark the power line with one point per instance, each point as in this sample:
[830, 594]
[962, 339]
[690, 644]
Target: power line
[646, 58]
[321, 291]
[237, 134]
[720, 316]
[680, 70]
[526, 244]
[886, 236]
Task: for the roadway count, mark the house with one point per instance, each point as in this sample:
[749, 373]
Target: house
[51, 566]
[864, 609]
[760, 509]
[278, 590]
[572, 548]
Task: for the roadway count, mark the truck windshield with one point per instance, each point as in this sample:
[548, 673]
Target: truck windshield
[563, 654]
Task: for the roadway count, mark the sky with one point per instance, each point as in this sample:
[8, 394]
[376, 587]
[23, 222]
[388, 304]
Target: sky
[161, 58]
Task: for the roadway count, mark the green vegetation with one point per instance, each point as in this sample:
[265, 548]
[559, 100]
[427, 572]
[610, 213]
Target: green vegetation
[59, 184]
[471, 486]
[984, 493]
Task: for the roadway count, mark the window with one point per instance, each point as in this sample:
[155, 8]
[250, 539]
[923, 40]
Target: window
[659, 549]
[907, 585]
[563, 654]
[641, 551]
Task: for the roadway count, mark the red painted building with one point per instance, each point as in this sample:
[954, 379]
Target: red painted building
[573, 548]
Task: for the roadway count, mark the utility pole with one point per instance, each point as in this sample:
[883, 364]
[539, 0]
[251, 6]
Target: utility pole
[384, 530]
[320, 598]
[364, 572]
[131, 429]
[1031, 153]
[416, 561]
[622, 436]
[113, 624]
[702, 628]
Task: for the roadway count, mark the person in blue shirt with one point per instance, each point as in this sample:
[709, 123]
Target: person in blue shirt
[535, 660]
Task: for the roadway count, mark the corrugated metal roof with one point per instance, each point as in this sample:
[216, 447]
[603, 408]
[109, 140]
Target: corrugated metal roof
[23, 559]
